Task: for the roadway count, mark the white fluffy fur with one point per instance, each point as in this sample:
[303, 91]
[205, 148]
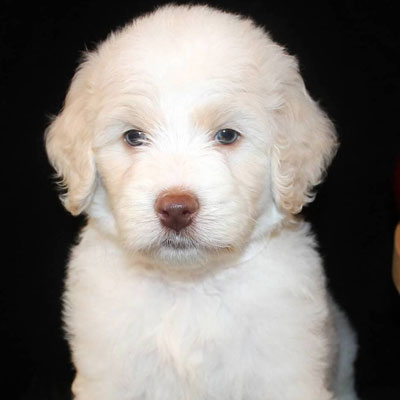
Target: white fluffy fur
[241, 311]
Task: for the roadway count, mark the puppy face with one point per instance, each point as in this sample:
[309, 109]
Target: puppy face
[189, 134]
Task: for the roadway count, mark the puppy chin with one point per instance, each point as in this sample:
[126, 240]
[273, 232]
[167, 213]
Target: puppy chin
[182, 255]
[179, 257]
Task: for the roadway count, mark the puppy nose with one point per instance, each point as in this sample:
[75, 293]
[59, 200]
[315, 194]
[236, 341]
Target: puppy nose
[176, 210]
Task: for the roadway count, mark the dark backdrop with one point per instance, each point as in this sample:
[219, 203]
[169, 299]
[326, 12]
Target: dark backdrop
[347, 53]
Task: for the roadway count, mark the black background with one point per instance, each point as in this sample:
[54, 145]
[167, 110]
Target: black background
[348, 55]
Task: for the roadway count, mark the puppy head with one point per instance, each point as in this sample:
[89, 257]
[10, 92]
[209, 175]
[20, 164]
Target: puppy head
[188, 134]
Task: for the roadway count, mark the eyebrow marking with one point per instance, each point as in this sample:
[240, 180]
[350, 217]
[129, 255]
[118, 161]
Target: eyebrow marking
[211, 117]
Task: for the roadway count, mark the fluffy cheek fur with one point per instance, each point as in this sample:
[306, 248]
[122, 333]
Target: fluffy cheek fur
[133, 178]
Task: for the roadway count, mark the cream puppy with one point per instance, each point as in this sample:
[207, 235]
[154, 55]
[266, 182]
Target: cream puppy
[190, 142]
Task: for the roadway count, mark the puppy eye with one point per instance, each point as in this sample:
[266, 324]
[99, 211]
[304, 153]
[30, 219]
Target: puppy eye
[134, 137]
[227, 136]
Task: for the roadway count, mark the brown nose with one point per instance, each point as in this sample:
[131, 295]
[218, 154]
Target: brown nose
[176, 209]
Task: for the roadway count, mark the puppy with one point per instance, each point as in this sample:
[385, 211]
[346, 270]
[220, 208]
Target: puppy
[190, 142]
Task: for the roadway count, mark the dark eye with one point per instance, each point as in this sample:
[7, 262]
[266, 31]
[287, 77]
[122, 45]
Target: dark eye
[227, 136]
[134, 137]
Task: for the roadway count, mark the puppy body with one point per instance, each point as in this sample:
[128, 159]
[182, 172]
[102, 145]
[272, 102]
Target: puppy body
[233, 306]
[263, 328]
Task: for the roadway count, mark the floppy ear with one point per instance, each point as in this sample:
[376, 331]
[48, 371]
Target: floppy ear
[305, 145]
[69, 148]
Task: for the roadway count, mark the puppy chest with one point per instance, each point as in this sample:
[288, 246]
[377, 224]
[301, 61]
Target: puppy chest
[191, 340]
[144, 332]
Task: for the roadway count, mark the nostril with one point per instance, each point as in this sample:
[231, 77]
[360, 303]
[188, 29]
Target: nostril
[176, 209]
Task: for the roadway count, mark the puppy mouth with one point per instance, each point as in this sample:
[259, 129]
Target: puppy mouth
[179, 243]
[182, 243]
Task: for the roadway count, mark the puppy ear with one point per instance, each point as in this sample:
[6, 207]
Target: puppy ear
[69, 148]
[305, 145]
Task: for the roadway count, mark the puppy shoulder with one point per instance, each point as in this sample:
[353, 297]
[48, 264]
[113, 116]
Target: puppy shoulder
[93, 253]
[294, 250]
[296, 236]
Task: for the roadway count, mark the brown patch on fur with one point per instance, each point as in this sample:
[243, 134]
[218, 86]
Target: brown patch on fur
[210, 117]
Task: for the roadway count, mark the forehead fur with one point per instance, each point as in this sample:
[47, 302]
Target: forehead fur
[192, 49]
